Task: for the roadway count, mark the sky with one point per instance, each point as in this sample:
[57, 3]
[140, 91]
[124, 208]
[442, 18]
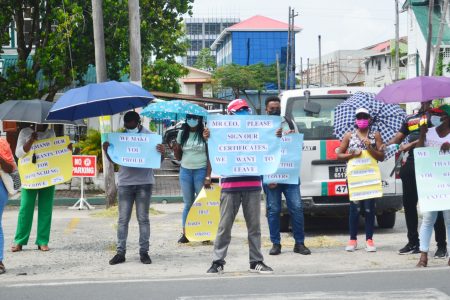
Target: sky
[342, 24]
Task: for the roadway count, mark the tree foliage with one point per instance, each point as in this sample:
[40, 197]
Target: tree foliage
[205, 61]
[162, 75]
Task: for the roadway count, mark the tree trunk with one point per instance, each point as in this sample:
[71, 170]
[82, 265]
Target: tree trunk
[430, 33]
[100, 67]
[135, 41]
[437, 48]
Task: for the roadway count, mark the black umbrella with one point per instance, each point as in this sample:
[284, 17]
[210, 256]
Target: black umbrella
[31, 111]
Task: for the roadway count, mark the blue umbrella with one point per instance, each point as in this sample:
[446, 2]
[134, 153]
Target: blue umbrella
[387, 118]
[173, 110]
[99, 99]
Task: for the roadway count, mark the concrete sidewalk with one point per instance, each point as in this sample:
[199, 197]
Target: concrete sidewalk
[82, 242]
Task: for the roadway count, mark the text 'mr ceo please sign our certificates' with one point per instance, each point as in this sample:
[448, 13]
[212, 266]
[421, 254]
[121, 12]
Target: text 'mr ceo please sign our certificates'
[433, 178]
[244, 145]
[137, 150]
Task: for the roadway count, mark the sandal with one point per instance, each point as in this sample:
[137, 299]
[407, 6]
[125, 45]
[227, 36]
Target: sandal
[16, 248]
[2, 268]
[43, 248]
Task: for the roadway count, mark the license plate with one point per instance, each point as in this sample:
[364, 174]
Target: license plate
[337, 172]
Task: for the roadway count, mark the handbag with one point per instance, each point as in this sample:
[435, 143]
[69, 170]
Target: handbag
[11, 181]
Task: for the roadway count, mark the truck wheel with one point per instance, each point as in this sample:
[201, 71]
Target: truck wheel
[386, 220]
[284, 222]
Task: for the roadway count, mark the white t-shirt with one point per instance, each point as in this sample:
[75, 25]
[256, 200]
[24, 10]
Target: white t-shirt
[25, 135]
[434, 140]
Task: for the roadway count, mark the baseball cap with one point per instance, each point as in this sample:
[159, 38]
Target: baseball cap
[361, 110]
[236, 105]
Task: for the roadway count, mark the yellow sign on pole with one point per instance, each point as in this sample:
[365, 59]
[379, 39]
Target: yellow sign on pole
[202, 221]
[53, 163]
[364, 178]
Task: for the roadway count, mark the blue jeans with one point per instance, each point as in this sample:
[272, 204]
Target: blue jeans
[3, 200]
[369, 215]
[191, 183]
[426, 228]
[294, 203]
[129, 194]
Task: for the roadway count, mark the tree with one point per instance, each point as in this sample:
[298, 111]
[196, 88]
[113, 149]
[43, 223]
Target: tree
[162, 76]
[205, 61]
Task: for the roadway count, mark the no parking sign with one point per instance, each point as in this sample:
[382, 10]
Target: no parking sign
[84, 165]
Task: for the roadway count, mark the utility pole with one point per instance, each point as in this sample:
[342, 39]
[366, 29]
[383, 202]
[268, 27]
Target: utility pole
[301, 72]
[100, 69]
[437, 48]
[278, 74]
[307, 73]
[320, 61]
[287, 51]
[430, 33]
[397, 42]
[135, 41]
[293, 15]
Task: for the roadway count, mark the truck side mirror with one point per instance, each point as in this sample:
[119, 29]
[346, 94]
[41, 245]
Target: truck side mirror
[312, 107]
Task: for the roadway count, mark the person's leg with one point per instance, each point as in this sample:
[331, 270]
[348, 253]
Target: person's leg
[199, 180]
[294, 204]
[143, 196]
[273, 206]
[187, 190]
[369, 212]
[426, 228]
[127, 194]
[229, 207]
[45, 209]
[439, 231]
[3, 200]
[410, 199]
[446, 216]
[25, 218]
[251, 207]
[353, 220]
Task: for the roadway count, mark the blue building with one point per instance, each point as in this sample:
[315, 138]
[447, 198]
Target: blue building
[255, 40]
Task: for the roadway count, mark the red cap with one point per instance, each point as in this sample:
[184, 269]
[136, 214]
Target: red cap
[236, 105]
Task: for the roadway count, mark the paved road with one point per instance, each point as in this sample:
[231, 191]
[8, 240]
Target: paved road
[379, 284]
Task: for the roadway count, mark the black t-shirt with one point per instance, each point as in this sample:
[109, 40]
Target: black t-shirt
[410, 129]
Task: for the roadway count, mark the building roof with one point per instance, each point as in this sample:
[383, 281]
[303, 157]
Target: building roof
[255, 23]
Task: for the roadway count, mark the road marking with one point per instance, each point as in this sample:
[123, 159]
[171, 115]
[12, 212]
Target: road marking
[226, 276]
[71, 226]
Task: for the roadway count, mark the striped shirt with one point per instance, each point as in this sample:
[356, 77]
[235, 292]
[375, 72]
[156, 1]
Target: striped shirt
[241, 183]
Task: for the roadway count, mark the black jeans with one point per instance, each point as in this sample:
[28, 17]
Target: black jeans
[410, 200]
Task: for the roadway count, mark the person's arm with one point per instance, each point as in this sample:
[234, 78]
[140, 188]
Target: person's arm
[105, 149]
[422, 136]
[25, 141]
[207, 181]
[6, 166]
[341, 152]
[376, 151]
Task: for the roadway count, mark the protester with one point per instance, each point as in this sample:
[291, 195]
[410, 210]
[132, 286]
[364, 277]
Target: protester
[135, 186]
[195, 170]
[362, 138]
[410, 130]
[291, 192]
[27, 137]
[7, 165]
[237, 190]
[438, 136]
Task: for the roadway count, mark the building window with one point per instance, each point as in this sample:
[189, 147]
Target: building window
[191, 60]
[212, 28]
[379, 65]
[196, 45]
[194, 28]
[8, 32]
[28, 23]
[208, 43]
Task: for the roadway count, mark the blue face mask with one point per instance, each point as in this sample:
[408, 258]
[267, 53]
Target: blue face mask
[436, 121]
[135, 130]
[192, 122]
[242, 112]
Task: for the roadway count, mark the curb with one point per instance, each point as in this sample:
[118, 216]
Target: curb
[101, 200]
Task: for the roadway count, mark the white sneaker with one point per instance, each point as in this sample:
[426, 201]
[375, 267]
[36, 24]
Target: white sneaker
[351, 246]
[370, 246]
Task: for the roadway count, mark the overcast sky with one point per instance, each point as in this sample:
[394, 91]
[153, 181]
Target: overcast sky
[343, 24]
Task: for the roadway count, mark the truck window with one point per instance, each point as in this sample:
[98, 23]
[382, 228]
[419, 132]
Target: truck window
[317, 126]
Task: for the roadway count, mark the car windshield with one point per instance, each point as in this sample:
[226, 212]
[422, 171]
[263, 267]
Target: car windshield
[314, 126]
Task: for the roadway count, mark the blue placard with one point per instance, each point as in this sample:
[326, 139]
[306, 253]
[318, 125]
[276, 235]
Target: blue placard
[291, 156]
[244, 145]
[137, 150]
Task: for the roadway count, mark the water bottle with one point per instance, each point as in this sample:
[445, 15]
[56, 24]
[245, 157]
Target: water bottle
[392, 147]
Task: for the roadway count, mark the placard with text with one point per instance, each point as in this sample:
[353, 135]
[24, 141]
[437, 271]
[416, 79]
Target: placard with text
[244, 145]
[84, 165]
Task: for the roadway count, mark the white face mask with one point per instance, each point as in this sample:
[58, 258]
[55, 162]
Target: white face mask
[436, 121]
[135, 130]
[192, 122]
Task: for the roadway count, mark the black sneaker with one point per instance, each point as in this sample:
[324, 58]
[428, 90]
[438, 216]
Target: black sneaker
[215, 268]
[117, 259]
[441, 252]
[302, 249]
[183, 239]
[260, 267]
[409, 249]
[145, 259]
[276, 249]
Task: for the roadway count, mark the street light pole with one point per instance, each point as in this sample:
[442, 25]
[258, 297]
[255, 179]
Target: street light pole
[135, 41]
[397, 43]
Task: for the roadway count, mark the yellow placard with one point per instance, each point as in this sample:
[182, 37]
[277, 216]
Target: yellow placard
[202, 221]
[53, 163]
[364, 178]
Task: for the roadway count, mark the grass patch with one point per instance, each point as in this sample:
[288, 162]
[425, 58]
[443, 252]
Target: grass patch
[113, 212]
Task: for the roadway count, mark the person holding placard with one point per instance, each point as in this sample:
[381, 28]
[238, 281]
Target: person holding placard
[438, 136]
[273, 193]
[352, 145]
[7, 165]
[27, 137]
[135, 186]
[195, 170]
[237, 190]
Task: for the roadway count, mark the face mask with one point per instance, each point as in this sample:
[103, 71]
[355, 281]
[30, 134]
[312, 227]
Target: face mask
[436, 121]
[275, 112]
[362, 124]
[242, 112]
[192, 122]
[135, 130]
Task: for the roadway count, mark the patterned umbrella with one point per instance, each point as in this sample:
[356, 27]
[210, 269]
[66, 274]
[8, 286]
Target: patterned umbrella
[173, 110]
[387, 118]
